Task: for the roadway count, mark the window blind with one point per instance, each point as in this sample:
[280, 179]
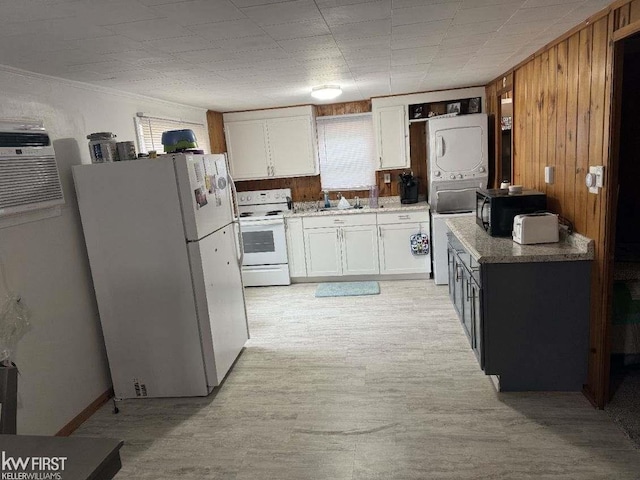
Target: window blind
[150, 129]
[347, 152]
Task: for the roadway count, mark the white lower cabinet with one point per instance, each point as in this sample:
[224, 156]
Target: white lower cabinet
[357, 244]
[359, 250]
[322, 248]
[341, 245]
[395, 252]
[295, 247]
[395, 230]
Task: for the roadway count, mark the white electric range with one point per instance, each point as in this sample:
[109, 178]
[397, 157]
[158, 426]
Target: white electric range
[263, 237]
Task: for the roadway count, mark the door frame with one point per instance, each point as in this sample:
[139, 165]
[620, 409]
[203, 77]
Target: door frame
[508, 89]
[611, 203]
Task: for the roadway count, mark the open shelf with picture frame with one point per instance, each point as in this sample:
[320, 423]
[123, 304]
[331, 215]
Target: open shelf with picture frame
[421, 112]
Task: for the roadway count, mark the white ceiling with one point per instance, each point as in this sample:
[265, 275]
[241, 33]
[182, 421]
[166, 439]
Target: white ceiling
[238, 54]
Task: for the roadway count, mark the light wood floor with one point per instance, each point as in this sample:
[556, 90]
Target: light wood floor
[377, 387]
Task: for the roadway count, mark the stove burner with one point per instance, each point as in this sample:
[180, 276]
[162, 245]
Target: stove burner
[273, 212]
[246, 214]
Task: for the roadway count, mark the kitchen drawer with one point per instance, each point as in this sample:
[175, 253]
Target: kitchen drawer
[344, 220]
[403, 217]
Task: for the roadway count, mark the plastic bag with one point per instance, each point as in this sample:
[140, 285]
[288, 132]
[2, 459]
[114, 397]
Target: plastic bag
[14, 324]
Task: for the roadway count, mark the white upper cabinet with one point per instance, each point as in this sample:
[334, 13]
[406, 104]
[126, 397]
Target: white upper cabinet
[272, 143]
[391, 129]
[248, 149]
[291, 144]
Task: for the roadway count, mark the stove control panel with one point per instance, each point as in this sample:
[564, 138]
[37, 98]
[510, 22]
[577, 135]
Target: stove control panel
[263, 197]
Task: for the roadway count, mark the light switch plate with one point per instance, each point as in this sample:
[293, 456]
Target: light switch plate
[387, 178]
[595, 178]
[599, 173]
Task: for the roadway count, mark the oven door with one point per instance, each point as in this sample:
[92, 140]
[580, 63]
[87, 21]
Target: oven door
[264, 242]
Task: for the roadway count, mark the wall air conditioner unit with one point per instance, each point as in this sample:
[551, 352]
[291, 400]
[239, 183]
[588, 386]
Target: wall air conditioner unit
[29, 178]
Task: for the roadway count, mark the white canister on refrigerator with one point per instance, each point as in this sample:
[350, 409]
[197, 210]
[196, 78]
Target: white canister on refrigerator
[102, 147]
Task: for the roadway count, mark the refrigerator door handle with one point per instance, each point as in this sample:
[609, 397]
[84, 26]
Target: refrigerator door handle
[234, 199]
[238, 231]
[236, 219]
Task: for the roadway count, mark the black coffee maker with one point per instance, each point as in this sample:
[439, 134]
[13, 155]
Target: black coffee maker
[408, 186]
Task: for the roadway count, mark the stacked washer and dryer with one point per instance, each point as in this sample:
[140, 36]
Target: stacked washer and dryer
[458, 165]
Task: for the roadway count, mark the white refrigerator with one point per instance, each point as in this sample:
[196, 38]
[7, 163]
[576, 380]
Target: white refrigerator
[165, 254]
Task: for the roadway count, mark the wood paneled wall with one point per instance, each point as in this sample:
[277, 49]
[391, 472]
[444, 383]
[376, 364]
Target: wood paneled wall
[562, 116]
[304, 189]
[216, 132]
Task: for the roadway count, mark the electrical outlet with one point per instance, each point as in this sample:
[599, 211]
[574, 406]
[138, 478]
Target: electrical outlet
[387, 178]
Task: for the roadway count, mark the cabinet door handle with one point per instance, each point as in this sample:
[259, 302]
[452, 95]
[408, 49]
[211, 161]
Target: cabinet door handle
[337, 220]
[403, 217]
[380, 162]
[379, 231]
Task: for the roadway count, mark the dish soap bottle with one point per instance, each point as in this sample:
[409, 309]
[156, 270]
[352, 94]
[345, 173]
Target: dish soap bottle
[327, 203]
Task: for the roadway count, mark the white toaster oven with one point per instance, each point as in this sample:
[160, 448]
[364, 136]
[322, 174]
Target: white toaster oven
[534, 228]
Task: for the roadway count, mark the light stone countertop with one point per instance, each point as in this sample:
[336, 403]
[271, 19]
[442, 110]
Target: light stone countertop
[487, 249]
[386, 205]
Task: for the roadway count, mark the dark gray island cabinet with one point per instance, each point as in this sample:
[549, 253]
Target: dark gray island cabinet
[524, 308]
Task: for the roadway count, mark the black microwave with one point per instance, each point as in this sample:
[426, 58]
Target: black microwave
[495, 209]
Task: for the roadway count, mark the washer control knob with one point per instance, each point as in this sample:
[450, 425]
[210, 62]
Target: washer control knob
[437, 173]
[460, 176]
[453, 177]
[481, 169]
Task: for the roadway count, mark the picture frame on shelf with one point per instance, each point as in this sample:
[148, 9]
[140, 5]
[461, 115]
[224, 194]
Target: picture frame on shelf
[475, 105]
[418, 111]
[454, 107]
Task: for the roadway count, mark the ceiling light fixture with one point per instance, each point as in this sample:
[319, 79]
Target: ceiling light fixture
[326, 92]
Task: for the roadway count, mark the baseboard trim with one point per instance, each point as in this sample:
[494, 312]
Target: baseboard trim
[79, 419]
[362, 278]
[588, 393]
